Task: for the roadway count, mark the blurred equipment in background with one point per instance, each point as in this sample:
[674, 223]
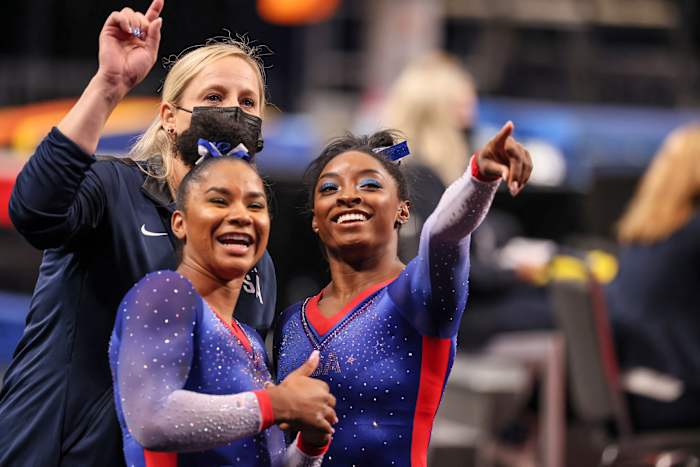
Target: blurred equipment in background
[598, 388]
[23, 127]
[14, 308]
[296, 12]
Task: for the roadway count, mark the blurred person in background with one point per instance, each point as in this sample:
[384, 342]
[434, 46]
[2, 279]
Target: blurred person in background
[387, 330]
[653, 301]
[191, 383]
[103, 224]
[433, 102]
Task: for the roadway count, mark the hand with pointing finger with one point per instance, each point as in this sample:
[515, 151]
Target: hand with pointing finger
[129, 43]
[303, 403]
[504, 157]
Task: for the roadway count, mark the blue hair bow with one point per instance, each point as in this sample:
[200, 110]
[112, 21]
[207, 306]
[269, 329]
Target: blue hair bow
[206, 148]
[395, 152]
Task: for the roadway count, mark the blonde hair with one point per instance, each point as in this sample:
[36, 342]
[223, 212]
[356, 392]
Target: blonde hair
[422, 104]
[184, 67]
[668, 193]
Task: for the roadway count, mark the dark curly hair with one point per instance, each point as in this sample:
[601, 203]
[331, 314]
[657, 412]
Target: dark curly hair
[362, 143]
[218, 127]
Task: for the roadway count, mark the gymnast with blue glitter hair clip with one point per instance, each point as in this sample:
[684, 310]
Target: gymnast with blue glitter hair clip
[394, 152]
[207, 148]
[386, 331]
[191, 383]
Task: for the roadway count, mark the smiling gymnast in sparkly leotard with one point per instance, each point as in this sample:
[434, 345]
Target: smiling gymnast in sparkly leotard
[191, 384]
[387, 331]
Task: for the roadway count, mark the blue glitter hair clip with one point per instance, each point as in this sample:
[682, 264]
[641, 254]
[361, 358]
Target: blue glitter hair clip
[206, 148]
[395, 152]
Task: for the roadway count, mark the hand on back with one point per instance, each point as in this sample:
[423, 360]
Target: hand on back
[129, 46]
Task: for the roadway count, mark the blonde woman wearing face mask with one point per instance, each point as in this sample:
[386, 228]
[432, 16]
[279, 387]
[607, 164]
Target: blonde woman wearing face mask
[104, 224]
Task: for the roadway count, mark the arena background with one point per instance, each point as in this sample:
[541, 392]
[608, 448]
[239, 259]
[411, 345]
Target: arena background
[593, 86]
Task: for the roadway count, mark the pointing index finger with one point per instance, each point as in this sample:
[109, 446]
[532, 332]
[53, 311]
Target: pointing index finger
[154, 10]
[500, 139]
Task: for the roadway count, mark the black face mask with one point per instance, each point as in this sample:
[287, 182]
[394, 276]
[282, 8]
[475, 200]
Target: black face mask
[223, 126]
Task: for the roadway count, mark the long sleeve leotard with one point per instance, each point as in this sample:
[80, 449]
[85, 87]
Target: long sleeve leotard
[387, 354]
[189, 385]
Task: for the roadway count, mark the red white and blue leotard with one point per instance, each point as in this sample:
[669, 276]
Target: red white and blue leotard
[189, 385]
[387, 354]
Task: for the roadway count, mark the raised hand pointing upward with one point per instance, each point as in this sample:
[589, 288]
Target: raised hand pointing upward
[504, 157]
[129, 46]
[128, 49]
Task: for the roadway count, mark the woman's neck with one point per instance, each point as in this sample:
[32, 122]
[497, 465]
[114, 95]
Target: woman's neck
[178, 170]
[350, 278]
[219, 294]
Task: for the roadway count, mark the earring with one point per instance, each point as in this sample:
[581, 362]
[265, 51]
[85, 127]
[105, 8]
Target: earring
[170, 133]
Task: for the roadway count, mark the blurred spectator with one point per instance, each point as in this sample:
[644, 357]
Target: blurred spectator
[433, 102]
[654, 300]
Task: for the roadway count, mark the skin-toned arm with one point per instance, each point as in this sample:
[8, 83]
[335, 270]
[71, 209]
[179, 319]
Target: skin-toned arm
[128, 49]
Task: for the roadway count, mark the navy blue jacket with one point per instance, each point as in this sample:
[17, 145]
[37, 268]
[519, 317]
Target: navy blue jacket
[654, 310]
[103, 225]
[654, 305]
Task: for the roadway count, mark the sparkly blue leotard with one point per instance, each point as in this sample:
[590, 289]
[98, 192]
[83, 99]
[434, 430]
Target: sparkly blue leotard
[187, 384]
[387, 355]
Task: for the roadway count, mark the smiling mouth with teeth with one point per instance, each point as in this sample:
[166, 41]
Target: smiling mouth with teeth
[351, 217]
[236, 239]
